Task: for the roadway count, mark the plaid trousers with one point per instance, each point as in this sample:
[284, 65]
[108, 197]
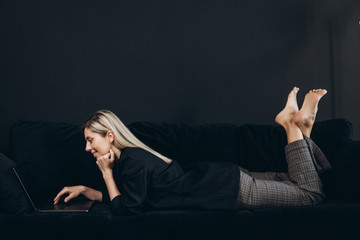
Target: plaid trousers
[300, 186]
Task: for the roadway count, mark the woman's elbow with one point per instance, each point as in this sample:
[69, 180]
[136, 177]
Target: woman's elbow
[124, 211]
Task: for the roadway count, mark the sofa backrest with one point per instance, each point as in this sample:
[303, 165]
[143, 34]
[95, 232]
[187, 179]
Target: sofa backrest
[255, 147]
[57, 153]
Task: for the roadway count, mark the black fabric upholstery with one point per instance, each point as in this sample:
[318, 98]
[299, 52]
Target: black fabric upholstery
[188, 143]
[254, 147]
[57, 154]
[12, 198]
[344, 179]
[330, 220]
[5, 163]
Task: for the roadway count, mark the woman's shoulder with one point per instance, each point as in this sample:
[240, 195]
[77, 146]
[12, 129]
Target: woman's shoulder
[138, 154]
[135, 157]
[134, 151]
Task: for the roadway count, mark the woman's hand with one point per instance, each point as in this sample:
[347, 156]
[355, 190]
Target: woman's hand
[75, 191]
[72, 191]
[106, 162]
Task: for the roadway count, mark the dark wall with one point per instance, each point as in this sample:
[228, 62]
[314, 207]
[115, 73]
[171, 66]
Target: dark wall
[176, 61]
[345, 35]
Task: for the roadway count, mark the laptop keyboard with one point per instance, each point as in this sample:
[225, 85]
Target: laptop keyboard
[60, 204]
[64, 204]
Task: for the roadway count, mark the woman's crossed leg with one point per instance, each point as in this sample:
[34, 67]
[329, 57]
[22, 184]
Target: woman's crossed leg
[301, 185]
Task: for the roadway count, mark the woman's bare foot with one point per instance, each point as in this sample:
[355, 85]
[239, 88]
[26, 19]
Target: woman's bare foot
[291, 107]
[285, 118]
[305, 118]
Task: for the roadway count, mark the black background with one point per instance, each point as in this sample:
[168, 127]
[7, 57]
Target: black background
[176, 61]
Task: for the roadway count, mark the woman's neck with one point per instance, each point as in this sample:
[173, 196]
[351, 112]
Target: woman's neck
[117, 153]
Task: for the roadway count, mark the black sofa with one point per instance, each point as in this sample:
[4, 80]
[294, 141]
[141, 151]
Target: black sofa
[57, 153]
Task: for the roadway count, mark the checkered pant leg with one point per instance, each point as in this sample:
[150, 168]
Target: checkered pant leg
[300, 186]
[321, 163]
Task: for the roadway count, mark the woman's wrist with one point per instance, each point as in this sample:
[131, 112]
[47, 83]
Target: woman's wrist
[91, 194]
[84, 189]
[108, 175]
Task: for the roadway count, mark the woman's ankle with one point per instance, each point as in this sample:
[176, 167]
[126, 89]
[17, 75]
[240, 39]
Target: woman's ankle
[293, 132]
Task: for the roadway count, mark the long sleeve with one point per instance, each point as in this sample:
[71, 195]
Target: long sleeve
[105, 196]
[146, 182]
[132, 184]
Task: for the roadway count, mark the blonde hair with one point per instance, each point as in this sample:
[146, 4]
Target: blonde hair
[104, 120]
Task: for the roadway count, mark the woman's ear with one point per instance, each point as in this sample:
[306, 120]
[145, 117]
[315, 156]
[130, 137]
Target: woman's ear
[110, 136]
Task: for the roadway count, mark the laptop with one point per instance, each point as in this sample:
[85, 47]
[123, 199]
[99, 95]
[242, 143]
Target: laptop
[46, 204]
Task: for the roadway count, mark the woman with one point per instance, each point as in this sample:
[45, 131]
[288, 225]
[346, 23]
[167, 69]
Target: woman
[138, 178]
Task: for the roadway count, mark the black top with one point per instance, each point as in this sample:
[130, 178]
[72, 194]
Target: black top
[146, 182]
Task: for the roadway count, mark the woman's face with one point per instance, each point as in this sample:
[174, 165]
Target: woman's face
[96, 143]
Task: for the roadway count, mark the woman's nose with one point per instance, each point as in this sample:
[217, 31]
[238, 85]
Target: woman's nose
[87, 147]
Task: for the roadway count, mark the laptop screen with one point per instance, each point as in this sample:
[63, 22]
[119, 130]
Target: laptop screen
[38, 190]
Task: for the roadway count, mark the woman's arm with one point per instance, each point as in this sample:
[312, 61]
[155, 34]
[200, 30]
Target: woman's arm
[133, 184]
[75, 191]
[111, 185]
[92, 194]
[106, 164]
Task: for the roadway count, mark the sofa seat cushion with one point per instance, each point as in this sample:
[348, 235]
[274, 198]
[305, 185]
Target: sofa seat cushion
[311, 222]
[332, 219]
[92, 225]
[183, 224]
